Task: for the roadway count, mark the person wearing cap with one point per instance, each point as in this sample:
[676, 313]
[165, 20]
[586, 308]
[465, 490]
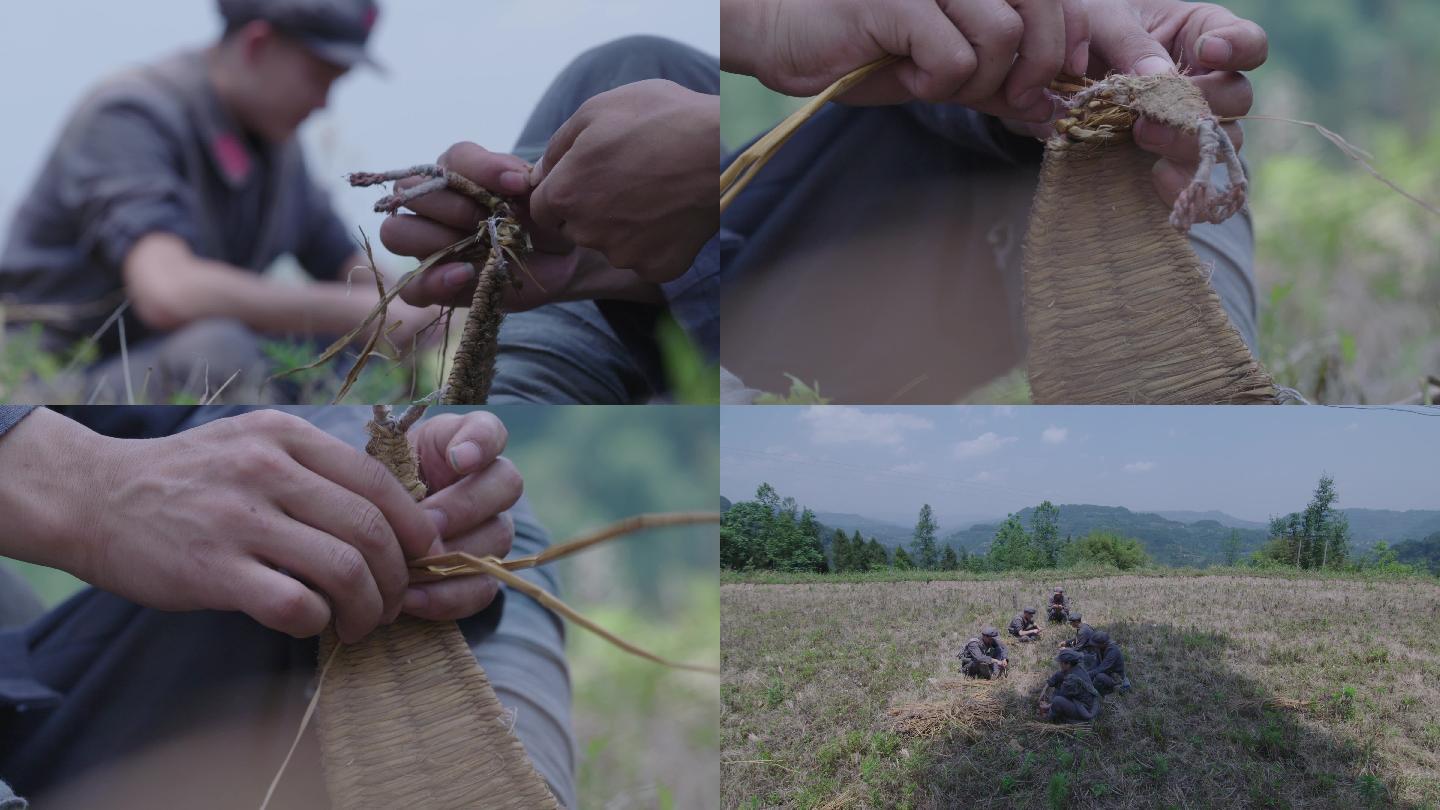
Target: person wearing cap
[984, 656]
[1108, 671]
[616, 173]
[173, 186]
[1083, 640]
[1023, 626]
[1055, 611]
[1069, 696]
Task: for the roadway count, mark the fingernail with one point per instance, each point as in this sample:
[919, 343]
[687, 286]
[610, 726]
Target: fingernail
[415, 600]
[459, 275]
[465, 456]
[1215, 52]
[438, 519]
[1080, 59]
[514, 182]
[1151, 65]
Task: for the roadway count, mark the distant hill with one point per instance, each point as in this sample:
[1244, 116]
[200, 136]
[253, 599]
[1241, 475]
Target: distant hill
[889, 534]
[1217, 516]
[725, 504]
[1370, 525]
[1168, 542]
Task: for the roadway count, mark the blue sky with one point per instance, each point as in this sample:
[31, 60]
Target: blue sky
[976, 462]
[457, 71]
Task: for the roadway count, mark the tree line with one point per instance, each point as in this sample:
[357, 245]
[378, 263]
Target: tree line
[775, 533]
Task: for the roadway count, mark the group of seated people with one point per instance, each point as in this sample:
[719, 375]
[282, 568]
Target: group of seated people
[1091, 664]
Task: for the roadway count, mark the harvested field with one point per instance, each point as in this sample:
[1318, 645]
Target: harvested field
[1249, 691]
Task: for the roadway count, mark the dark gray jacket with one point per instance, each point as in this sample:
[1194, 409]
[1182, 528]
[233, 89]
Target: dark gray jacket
[151, 150]
[1111, 663]
[1019, 623]
[976, 650]
[1075, 685]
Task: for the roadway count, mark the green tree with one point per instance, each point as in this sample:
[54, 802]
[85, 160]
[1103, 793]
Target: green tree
[902, 560]
[840, 552]
[1108, 548]
[1337, 541]
[926, 554]
[948, 560]
[1232, 548]
[791, 549]
[745, 534]
[768, 497]
[1045, 535]
[1010, 550]
[810, 529]
[876, 555]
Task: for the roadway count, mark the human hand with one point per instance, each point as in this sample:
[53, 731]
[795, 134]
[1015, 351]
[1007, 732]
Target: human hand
[555, 271]
[633, 174]
[206, 518]
[1146, 37]
[471, 486]
[997, 56]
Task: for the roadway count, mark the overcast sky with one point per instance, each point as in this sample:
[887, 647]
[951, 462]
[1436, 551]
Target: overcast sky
[974, 462]
[457, 71]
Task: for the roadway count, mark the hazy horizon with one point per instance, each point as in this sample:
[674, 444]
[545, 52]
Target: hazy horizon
[986, 462]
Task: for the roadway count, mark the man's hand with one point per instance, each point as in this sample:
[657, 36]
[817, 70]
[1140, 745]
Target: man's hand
[1211, 45]
[1151, 36]
[471, 486]
[261, 513]
[995, 55]
[633, 174]
[556, 271]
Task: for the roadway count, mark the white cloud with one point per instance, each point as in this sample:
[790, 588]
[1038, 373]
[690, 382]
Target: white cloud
[1054, 435]
[909, 468]
[1006, 411]
[1139, 466]
[981, 477]
[839, 424]
[982, 445]
[1353, 426]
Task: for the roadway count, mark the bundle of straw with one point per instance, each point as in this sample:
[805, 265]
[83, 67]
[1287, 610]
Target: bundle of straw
[966, 713]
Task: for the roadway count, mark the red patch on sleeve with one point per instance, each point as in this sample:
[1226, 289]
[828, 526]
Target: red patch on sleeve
[371, 15]
[233, 157]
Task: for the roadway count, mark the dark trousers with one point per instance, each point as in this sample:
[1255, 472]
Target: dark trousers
[978, 669]
[880, 255]
[1065, 710]
[1105, 682]
[1056, 614]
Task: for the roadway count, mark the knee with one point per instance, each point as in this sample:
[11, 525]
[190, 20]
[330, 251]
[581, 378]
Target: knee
[222, 342]
[644, 56]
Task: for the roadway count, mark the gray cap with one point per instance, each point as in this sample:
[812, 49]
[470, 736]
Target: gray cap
[991, 632]
[1073, 616]
[1100, 637]
[1029, 610]
[1068, 657]
[1059, 590]
[334, 30]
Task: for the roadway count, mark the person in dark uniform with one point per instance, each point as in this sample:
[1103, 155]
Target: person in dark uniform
[173, 186]
[1023, 626]
[1069, 696]
[1055, 611]
[1108, 671]
[984, 656]
[1083, 640]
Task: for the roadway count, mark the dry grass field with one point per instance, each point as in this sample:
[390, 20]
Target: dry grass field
[1249, 691]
